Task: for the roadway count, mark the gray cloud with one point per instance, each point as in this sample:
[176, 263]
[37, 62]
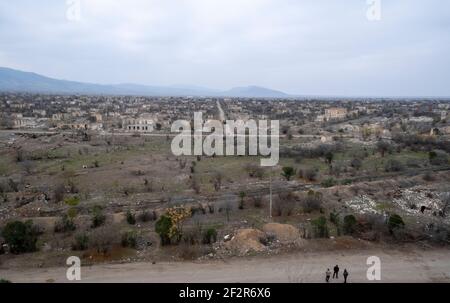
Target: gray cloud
[324, 47]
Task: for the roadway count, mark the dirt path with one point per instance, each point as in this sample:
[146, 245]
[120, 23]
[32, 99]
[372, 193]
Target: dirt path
[396, 266]
[221, 112]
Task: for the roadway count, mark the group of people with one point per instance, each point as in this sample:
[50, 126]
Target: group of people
[335, 274]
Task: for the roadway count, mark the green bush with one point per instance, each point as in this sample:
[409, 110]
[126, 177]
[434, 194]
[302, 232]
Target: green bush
[129, 239]
[162, 227]
[438, 157]
[81, 242]
[131, 218]
[98, 218]
[334, 218]
[320, 227]
[72, 201]
[72, 212]
[431, 155]
[210, 236]
[349, 226]
[330, 182]
[21, 237]
[4, 281]
[346, 182]
[288, 172]
[395, 222]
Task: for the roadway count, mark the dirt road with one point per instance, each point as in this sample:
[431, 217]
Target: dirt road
[396, 266]
[221, 112]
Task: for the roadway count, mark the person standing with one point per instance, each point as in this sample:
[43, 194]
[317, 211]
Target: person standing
[327, 275]
[336, 272]
[345, 275]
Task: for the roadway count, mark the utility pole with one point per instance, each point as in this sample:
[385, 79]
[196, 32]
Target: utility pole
[270, 193]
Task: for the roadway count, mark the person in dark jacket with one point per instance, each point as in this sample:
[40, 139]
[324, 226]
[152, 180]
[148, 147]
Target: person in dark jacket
[345, 275]
[336, 272]
[327, 275]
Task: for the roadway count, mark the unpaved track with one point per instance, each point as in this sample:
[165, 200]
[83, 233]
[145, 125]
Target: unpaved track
[221, 112]
[396, 266]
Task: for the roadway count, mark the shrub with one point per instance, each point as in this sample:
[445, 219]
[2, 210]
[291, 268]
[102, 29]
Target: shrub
[284, 204]
[210, 208]
[190, 252]
[329, 157]
[330, 182]
[309, 174]
[349, 225]
[73, 189]
[395, 222]
[356, 163]
[383, 147]
[129, 239]
[438, 157]
[162, 227]
[375, 222]
[288, 172]
[65, 225]
[242, 196]
[257, 201]
[98, 218]
[177, 215]
[146, 216]
[312, 201]
[346, 182]
[320, 227]
[210, 236]
[72, 212]
[72, 201]
[59, 192]
[4, 281]
[393, 165]
[254, 171]
[334, 218]
[103, 238]
[198, 209]
[131, 218]
[81, 242]
[21, 237]
[13, 185]
[217, 180]
[193, 235]
[431, 155]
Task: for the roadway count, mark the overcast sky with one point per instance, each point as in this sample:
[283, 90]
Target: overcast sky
[316, 47]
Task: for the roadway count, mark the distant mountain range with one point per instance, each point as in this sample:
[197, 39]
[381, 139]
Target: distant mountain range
[19, 81]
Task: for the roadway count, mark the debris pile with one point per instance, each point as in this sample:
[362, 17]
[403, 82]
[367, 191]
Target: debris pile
[285, 233]
[363, 204]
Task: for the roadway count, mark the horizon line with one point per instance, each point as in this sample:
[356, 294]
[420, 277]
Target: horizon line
[200, 87]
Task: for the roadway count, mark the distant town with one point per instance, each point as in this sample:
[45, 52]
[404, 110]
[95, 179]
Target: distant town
[94, 176]
[365, 119]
